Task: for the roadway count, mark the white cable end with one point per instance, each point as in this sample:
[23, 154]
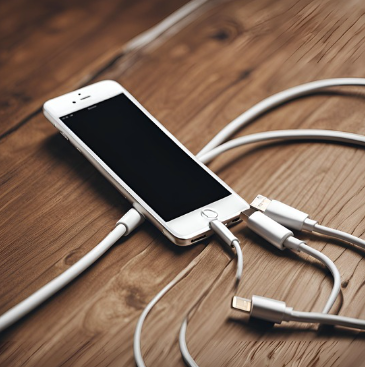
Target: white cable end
[131, 220]
[263, 308]
[293, 243]
[241, 304]
[230, 239]
[223, 232]
[283, 213]
[268, 229]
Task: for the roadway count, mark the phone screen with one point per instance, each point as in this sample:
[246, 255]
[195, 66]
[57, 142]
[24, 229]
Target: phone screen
[144, 157]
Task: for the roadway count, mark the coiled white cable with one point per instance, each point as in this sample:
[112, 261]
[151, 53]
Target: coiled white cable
[284, 135]
[274, 101]
[282, 238]
[213, 149]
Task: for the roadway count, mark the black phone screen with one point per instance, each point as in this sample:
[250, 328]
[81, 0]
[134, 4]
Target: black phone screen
[144, 157]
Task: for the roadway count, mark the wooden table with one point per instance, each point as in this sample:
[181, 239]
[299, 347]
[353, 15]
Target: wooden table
[195, 77]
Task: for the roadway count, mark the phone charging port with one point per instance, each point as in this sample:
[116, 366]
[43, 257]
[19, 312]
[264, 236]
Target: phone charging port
[198, 238]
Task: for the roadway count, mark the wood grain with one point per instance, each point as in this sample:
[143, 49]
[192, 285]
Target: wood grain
[63, 44]
[55, 207]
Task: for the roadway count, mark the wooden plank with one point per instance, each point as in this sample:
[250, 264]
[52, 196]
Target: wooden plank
[56, 47]
[233, 55]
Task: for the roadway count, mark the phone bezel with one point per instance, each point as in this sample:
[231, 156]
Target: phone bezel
[182, 230]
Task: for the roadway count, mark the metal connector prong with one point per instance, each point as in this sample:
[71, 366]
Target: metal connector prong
[242, 304]
[260, 203]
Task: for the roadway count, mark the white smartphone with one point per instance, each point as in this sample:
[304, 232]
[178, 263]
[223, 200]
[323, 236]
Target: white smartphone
[148, 165]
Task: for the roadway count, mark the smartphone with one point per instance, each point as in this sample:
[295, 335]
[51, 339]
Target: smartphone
[161, 178]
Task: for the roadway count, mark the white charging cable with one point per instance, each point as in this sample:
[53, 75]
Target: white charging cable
[285, 136]
[230, 239]
[273, 101]
[225, 234]
[124, 226]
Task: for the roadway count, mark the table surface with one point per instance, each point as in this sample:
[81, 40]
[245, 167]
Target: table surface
[195, 77]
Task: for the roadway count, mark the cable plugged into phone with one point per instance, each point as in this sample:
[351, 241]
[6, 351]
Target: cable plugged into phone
[130, 221]
[230, 239]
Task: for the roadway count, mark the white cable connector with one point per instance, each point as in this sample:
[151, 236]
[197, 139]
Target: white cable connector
[296, 219]
[268, 229]
[283, 214]
[223, 232]
[262, 308]
[131, 220]
[231, 240]
[282, 238]
[124, 226]
[276, 311]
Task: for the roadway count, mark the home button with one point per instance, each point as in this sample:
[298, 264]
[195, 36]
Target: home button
[209, 214]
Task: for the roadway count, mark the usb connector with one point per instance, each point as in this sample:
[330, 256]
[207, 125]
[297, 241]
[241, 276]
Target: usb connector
[263, 308]
[283, 214]
[241, 304]
[277, 311]
[230, 239]
[260, 203]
